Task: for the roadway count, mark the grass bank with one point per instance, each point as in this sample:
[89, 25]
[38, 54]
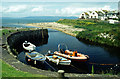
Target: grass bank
[96, 31]
[9, 71]
[8, 30]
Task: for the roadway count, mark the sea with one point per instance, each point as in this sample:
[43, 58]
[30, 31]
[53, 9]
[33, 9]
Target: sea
[21, 22]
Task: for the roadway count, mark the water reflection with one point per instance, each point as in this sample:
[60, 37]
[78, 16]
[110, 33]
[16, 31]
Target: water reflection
[113, 52]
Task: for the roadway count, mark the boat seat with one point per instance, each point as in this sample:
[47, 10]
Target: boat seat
[33, 54]
[26, 45]
[54, 56]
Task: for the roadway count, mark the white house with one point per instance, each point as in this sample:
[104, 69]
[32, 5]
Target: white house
[84, 15]
[93, 14]
[112, 15]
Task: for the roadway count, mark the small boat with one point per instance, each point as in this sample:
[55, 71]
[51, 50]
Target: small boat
[57, 59]
[72, 55]
[34, 57]
[28, 46]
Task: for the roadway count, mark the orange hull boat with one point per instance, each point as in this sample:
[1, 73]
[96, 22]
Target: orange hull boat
[73, 56]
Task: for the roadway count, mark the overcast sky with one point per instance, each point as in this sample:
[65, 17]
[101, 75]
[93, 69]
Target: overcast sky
[23, 8]
[60, 0]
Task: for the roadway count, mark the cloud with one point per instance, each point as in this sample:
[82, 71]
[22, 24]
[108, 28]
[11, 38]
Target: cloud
[106, 8]
[2, 9]
[37, 9]
[76, 10]
[15, 8]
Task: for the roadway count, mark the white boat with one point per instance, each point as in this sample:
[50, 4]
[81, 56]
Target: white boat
[35, 57]
[57, 59]
[28, 46]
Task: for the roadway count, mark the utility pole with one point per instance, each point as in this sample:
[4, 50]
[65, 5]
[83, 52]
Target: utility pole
[119, 10]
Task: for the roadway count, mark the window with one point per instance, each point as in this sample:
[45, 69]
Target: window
[95, 16]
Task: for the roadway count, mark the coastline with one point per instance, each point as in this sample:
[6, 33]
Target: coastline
[81, 33]
[60, 27]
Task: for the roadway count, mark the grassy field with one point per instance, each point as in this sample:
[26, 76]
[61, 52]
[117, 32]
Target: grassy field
[96, 31]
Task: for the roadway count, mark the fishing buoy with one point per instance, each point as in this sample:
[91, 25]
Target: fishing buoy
[28, 59]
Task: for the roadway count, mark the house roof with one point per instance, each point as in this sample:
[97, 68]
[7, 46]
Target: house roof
[90, 11]
[99, 13]
[106, 11]
[86, 13]
[113, 12]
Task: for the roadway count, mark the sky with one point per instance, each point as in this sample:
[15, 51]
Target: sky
[25, 8]
[60, 0]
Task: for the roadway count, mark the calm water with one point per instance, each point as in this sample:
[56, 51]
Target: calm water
[98, 54]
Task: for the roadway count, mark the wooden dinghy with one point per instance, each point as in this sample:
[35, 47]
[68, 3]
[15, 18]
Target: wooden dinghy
[35, 58]
[28, 46]
[58, 59]
[72, 55]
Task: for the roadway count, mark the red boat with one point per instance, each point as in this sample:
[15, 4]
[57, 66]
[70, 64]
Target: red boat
[72, 55]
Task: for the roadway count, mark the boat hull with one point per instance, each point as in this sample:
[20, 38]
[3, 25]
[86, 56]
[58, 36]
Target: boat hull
[30, 47]
[60, 63]
[33, 62]
[78, 60]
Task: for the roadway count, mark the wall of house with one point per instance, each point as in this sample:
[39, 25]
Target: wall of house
[93, 15]
[82, 16]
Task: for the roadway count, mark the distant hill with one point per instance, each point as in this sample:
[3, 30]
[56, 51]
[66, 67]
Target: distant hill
[34, 19]
[51, 17]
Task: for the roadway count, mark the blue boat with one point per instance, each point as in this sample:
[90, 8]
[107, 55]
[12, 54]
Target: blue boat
[35, 58]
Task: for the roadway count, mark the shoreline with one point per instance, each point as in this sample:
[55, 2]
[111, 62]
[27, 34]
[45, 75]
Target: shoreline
[60, 27]
[69, 30]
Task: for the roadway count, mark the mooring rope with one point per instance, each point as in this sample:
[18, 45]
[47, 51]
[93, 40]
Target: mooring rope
[50, 66]
[75, 67]
[103, 64]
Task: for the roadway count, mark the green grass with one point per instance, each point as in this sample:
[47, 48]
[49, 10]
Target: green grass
[9, 71]
[9, 30]
[0, 33]
[93, 28]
